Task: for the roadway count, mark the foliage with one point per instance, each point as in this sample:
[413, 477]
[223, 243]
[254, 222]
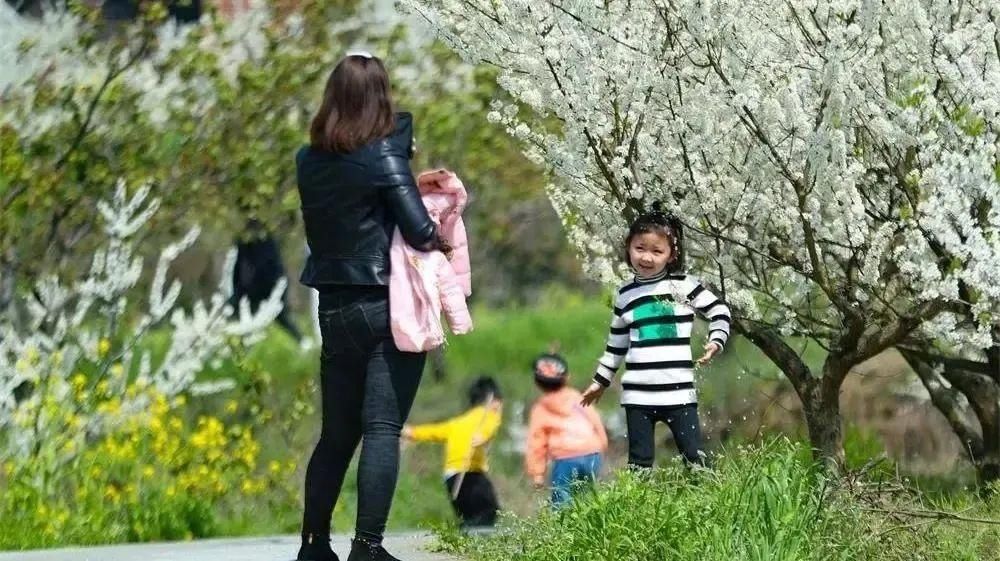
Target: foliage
[210, 114]
[157, 476]
[77, 371]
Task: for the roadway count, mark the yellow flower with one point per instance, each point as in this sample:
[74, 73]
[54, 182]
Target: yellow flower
[102, 387]
[8, 468]
[232, 405]
[112, 494]
[103, 346]
[274, 467]
[69, 447]
[42, 511]
[148, 471]
[179, 401]
[171, 491]
[117, 370]
[79, 380]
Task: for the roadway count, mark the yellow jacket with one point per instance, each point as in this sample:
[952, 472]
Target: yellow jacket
[465, 438]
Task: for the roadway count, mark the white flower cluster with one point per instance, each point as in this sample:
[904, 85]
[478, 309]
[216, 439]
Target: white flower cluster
[816, 149]
[97, 324]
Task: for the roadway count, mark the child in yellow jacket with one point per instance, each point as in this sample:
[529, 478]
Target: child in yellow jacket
[466, 438]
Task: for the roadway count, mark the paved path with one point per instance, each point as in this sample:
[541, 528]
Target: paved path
[408, 547]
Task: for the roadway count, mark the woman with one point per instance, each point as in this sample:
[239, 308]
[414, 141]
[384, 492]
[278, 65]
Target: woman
[356, 187]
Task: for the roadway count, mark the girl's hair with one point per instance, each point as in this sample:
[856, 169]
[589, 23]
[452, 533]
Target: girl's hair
[484, 389]
[356, 108]
[655, 220]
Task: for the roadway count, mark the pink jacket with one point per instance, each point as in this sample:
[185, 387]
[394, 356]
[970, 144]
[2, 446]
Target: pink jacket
[422, 284]
[560, 427]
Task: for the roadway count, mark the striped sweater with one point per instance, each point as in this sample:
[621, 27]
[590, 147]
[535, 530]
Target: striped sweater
[651, 331]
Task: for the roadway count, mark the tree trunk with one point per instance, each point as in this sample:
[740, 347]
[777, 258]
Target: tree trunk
[820, 396]
[821, 406]
[965, 378]
[986, 405]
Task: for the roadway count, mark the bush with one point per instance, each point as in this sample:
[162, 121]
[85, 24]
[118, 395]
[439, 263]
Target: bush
[156, 477]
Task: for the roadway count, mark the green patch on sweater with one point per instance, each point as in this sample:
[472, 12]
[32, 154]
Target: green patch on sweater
[655, 309]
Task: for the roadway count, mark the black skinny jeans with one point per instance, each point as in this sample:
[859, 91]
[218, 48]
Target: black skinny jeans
[368, 386]
[683, 423]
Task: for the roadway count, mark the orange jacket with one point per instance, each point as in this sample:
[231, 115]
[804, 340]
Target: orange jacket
[560, 428]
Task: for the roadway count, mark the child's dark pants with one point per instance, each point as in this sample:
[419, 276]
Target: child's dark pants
[683, 423]
[476, 504]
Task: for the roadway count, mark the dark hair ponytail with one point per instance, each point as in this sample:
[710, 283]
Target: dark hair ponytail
[657, 220]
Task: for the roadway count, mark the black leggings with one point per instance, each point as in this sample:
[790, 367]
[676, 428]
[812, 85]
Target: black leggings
[683, 423]
[368, 386]
[476, 504]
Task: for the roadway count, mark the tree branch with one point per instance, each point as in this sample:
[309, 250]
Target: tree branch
[946, 401]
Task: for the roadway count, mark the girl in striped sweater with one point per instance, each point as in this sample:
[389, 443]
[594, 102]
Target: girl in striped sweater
[651, 333]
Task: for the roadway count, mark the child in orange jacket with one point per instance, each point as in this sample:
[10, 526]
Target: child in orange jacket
[563, 430]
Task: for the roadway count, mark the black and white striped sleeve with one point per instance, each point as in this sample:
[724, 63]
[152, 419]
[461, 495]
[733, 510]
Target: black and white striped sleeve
[614, 353]
[714, 310]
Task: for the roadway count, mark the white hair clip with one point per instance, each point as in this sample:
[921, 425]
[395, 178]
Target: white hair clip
[362, 54]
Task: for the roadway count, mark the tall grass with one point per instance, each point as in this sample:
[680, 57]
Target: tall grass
[760, 503]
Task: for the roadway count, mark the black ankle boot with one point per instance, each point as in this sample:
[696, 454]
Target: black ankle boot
[316, 547]
[367, 551]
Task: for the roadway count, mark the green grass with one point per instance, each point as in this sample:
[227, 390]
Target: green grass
[760, 503]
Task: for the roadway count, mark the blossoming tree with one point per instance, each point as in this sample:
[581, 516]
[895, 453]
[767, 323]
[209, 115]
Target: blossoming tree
[209, 114]
[818, 153]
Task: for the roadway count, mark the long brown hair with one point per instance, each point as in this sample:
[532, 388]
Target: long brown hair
[357, 107]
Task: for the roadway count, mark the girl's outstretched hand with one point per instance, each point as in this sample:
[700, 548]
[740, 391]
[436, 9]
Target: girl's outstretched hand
[592, 393]
[711, 349]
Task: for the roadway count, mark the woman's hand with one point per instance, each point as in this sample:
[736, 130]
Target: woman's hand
[538, 481]
[711, 349]
[407, 432]
[592, 394]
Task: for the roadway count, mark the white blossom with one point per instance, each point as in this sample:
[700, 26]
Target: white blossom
[838, 145]
[73, 324]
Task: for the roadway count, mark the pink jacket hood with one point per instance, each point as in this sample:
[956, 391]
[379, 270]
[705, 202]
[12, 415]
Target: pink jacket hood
[445, 198]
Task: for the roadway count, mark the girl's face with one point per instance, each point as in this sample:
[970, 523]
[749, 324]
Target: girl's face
[649, 253]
